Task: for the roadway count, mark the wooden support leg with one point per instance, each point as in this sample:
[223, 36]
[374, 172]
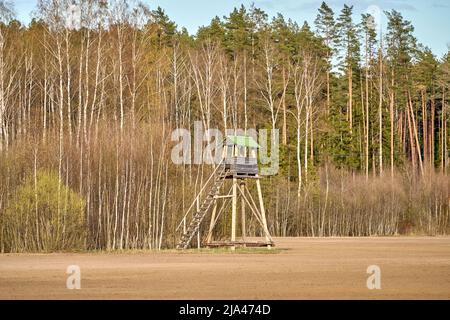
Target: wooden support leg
[244, 231]
[198, 232]
[211, 224]
[263, 211]
[233, 213]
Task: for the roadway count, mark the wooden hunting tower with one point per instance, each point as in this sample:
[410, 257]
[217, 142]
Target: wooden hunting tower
[239, 165]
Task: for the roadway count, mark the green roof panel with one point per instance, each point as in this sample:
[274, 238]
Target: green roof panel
[242, 141]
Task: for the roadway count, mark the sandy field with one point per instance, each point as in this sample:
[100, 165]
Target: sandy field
[300, 268]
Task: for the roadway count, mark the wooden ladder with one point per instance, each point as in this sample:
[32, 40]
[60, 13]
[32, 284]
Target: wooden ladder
[199, 216]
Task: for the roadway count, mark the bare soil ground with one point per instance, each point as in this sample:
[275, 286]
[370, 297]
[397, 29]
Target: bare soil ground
[301, 268]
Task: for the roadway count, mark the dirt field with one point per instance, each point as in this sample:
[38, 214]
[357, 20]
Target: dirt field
[411, 268]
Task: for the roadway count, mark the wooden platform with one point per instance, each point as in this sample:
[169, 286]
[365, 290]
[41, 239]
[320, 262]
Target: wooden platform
[248, 244]
[242, 166]
[231, 175]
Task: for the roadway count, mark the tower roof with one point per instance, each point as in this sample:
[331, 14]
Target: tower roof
[244, 141]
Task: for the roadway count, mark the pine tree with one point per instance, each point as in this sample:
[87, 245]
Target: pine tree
[283, 34]
[214, 31]
[444, 84]
[401, 47]
[166, 29]
[424, 78]
[369, 38]
[326, 28]
[237, 26]
[348, 42]
[258, 23]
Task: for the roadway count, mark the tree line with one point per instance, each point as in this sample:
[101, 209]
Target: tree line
[91, 106]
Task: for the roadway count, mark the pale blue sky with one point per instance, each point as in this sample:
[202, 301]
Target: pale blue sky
[431, 18]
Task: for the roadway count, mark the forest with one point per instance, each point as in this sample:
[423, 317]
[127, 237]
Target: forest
[87, 110]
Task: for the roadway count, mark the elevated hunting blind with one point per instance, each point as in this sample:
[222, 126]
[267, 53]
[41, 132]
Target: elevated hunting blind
[241, 157]
[238, 165]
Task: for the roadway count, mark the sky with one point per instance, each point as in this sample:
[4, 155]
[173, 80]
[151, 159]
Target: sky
[431, 18]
